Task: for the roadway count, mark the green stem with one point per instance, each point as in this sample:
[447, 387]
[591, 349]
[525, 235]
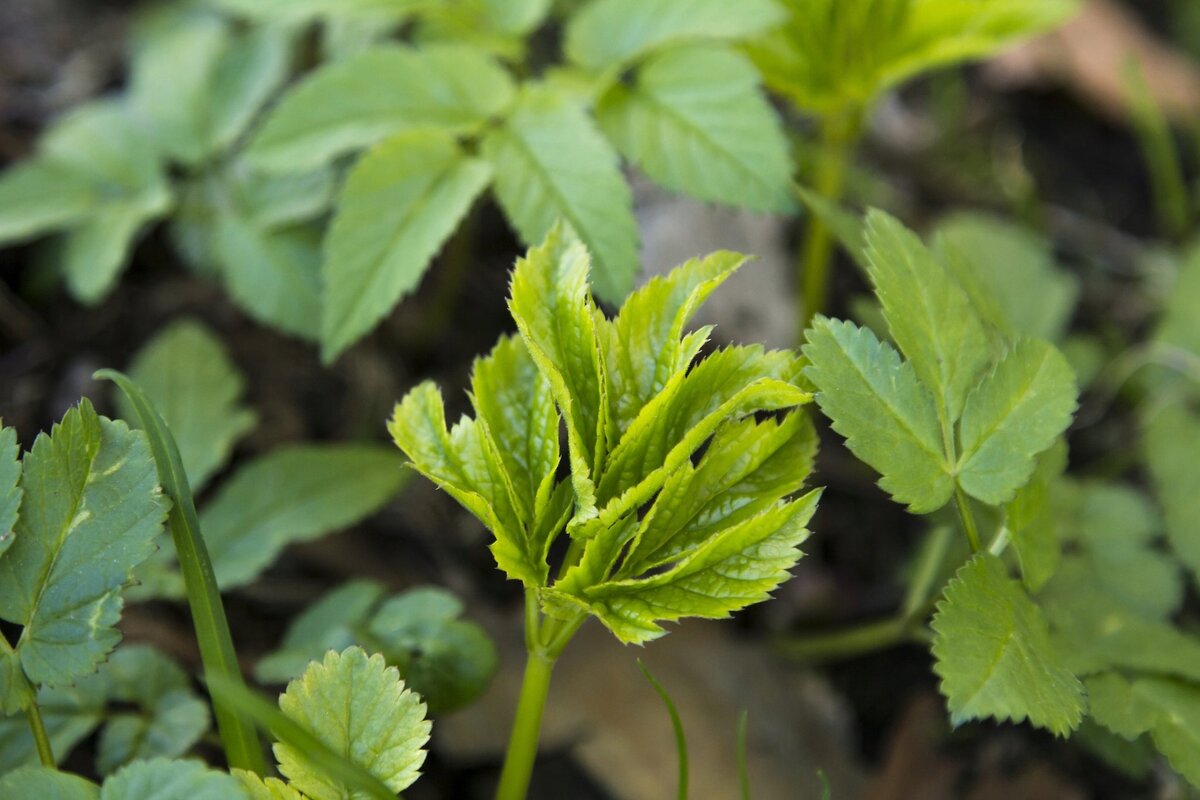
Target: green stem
[523, 743]
[242, 747]
[968, 519]
[849, 642]
[837, 137]
[41, 740]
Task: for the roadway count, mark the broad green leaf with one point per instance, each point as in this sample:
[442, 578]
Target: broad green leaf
[552, 164]
[95, 251]
[275, 201]
[876, 401]
[302, 10]
[187, 374]
[163, 779]
[994, 653]
[1033, 520]
[361, 709]
[735, 568]
[70, 714]
[168, 717]
[274, 276]
[1176, 728]
[1172, 439]
[45, 783]
[293, 494]
[361, 99]
[1010, 275]
[693, 119]
[928, 314]
[1015, 413]
[645, 346]
[556, 316]
[331, 623]
[252, 68]
[399, 205]
[91, 511]
[39, 196]
[10, 489]
[611, 33]
[1113, 704]
[515, 17]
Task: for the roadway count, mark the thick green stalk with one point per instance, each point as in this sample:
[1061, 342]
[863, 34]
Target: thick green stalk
[242, 747]
[838, 135]
[41, 740]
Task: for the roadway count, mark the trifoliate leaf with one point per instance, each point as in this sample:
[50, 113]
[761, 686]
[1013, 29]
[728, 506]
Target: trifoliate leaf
[739, 566]
[928, 314]
[1010, 275]
[361, 709]
[293, 494]
[876, 401]
[169, 717]
[186, 372]
[552, 164]
[1015, 413]
[994, 653]
[10, 489]
[556, 316]
[163, 779]
[46, 783]
[1172, 437]
[400, 203]
[644, 345]
[91, 511]
[693, 120]
[612, 33]
[362, 99]
[273, 275]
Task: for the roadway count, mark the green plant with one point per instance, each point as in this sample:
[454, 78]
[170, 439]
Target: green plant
[677, 500]
[444, 118]
[833, 59]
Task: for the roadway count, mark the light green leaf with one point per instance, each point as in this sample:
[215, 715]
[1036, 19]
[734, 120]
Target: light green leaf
[645, 346]
[45, 783]
[551, 163]
[91, 511]
[515, 17]
[1176, 728]
[994, 653]
[163, 779]
[265, 788]
[96, 250]
[252, 68]
[361, 99]
[303, 10]
[361, 709]
[1179, 326]
[187, 373]
[169, 718]
[1113, 704]
[1172, 439]
[735, 568]
[928, 314]
[612, 33]
[274, 276]
[876, 401]
[293, 494]
[693, 119]
[1017, 412]
[1010, 275]
[1033, 520]
[399, 205]
[556, 316]
[10, 489]
[39, 196]
[275, 201]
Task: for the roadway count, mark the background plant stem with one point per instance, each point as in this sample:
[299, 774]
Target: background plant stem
[34, 714]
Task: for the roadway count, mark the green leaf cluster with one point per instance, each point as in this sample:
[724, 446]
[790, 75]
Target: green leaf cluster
[680, 494]
[837, 56]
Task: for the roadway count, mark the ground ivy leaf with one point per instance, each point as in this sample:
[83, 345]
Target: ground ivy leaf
[361, 709]
[1015, 413]
[994, 653]
[10, 489]
[365, 97]
[555, 314]
[275, 276]
[91, 511]
[400, 203]
[294, 494]
[928, 313]
[735, 568]
[1172, 439]
[164, 779]
[611, 33]
[551, 163]
[875, 400]
[187, 373]
[46, 783]
[695, 121]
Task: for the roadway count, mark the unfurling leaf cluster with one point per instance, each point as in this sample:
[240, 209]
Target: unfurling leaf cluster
[680, 498]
